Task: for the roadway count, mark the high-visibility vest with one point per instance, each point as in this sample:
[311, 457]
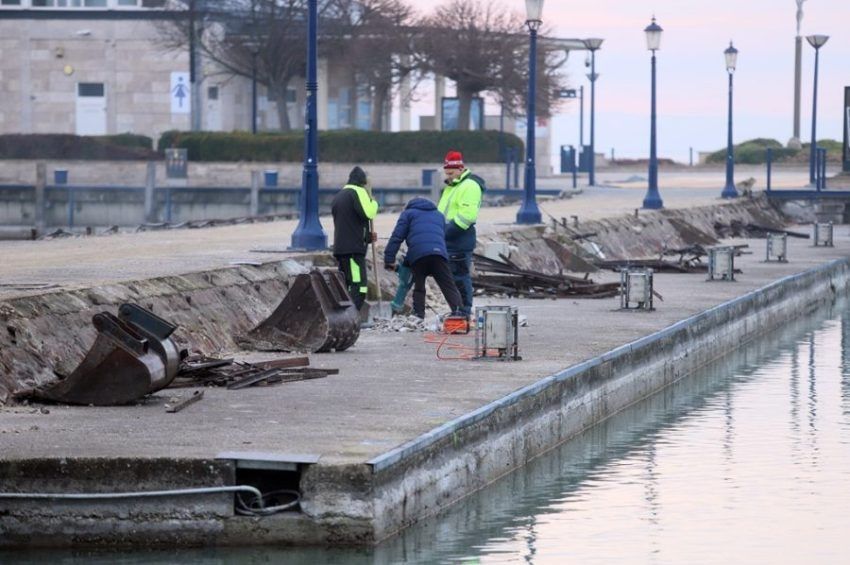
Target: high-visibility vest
[461, 200]
[370, 206]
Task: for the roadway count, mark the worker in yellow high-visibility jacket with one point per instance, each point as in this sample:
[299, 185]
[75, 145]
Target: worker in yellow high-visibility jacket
[459, 203]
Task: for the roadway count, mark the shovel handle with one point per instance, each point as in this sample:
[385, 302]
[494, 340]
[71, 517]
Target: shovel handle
[376, 268]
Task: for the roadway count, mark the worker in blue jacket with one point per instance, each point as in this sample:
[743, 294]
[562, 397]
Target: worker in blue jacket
[422, 227]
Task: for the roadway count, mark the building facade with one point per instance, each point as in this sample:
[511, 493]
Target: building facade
[95, 67]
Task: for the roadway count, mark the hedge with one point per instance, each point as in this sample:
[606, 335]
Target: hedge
[754, 152]
[342, 146]
[66, 146]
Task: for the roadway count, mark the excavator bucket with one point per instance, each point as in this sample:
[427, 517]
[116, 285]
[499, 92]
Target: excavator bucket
[119, 368]
[316, 315]
[158, 334]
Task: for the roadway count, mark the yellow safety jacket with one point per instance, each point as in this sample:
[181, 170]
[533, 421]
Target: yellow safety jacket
[461, 200]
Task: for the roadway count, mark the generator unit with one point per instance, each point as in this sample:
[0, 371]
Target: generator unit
[721, 263]
[776, 249]
[636, 289]
[497, 333]
[823, 234]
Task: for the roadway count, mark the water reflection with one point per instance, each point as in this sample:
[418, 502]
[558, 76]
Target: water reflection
[725, 465]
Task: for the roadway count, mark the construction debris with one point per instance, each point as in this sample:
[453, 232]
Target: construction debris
[234, 375]
[736, 228]
[177, 404]
[316, 315]
[401, 324]
[504, 277]
[690, 260]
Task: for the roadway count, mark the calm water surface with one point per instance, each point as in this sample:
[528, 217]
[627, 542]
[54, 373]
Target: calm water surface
[746, 461]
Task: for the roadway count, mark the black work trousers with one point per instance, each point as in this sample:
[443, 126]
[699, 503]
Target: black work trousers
[434, 266]
[353, 268]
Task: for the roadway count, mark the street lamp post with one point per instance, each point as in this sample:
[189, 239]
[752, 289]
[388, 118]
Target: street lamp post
[816, 41]
[592, 45]
[309, 235]
[529, 213]
[729, 190]
[652, 200]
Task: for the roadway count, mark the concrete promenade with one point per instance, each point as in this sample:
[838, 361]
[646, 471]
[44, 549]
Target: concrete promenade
[391, 389]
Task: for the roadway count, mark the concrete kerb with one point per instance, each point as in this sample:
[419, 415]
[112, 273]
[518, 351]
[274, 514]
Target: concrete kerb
[447, 463]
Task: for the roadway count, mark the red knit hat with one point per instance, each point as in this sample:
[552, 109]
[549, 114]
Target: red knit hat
[454, 160]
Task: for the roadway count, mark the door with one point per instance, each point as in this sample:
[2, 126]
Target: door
[213, 114]
[91, 108]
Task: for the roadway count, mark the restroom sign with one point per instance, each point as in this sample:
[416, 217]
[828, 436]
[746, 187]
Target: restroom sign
[181, 93]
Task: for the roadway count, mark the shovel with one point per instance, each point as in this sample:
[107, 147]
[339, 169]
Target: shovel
[383, 309]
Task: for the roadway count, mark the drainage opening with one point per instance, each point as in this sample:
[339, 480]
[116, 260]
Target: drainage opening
[276, 476]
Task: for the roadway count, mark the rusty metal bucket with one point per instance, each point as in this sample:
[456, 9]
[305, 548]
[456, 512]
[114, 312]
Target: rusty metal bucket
[158, 334]
[316, 315]
[119, 368]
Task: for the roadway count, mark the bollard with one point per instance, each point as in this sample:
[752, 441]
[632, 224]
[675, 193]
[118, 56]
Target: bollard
[150, 193]
[516, 168]
[254, 207]
[509, 157]
[40, 200]
[575, 167]
[168, 205]
[70, 193]
[269, 177]
[769, 163]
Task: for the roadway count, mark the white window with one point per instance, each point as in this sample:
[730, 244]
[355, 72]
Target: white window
[65, 4]
[69, 3]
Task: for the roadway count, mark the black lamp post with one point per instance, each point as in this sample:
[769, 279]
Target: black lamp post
[729, 190]
[309, 235]
[529, 213]
[816, 41]
[592, 45]
[652, 200]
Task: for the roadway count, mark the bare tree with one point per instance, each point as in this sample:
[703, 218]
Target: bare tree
[241, 36]
[379, 49]
[484, 48]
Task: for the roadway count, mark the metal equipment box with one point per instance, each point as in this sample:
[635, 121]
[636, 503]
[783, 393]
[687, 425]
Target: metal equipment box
[721, 263]
[636, 289]
[497, 333]
[823, 234]
[777, 248]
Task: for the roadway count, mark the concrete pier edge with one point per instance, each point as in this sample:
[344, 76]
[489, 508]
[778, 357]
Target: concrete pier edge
[397, 455]
[435, 470]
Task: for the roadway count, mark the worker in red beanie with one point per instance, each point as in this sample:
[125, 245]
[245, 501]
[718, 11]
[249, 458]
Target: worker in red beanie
[459, 203]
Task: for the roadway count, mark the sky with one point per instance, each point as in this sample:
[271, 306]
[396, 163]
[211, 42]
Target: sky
[692, 79]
